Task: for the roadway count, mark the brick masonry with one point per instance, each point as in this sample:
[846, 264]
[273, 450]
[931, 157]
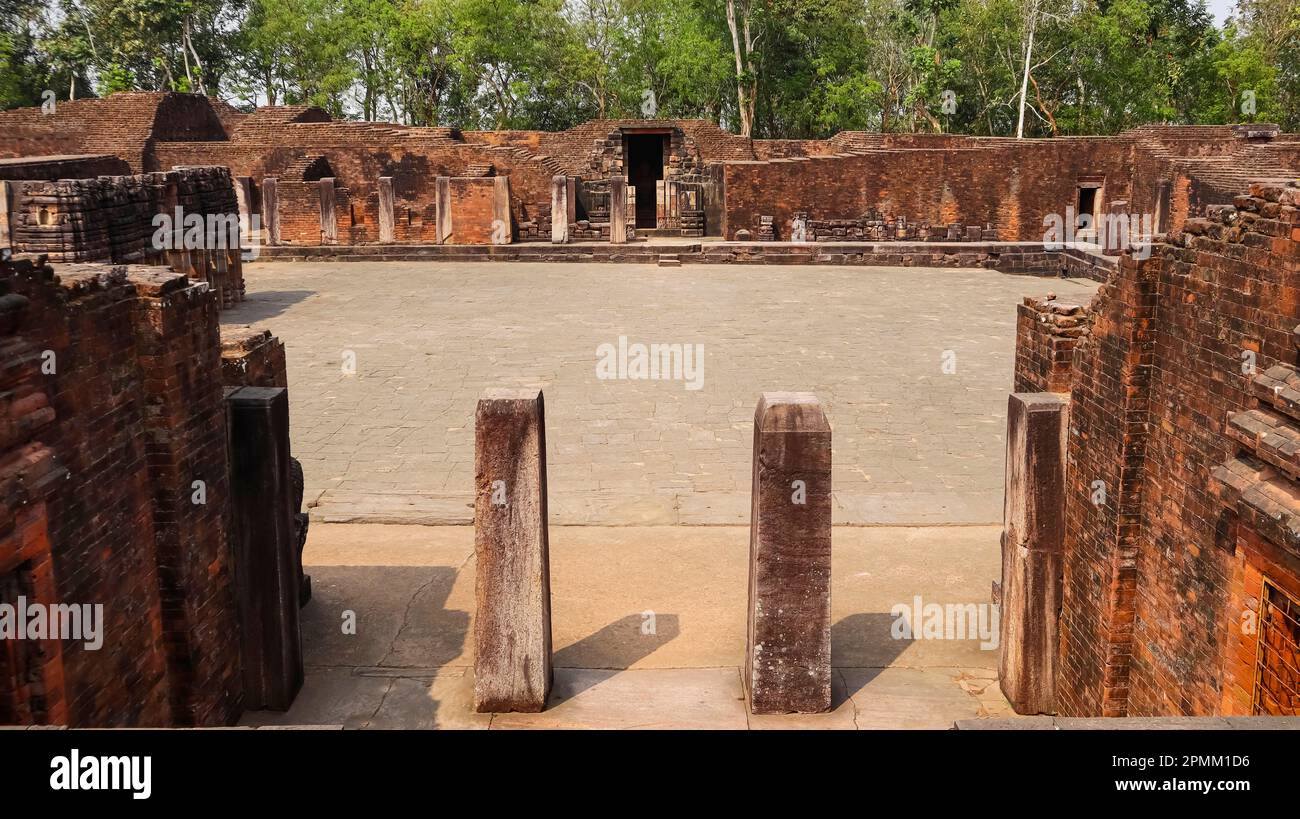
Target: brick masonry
[1165, 539]
[115, 475]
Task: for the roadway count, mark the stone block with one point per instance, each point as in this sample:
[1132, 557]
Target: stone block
[387, 222]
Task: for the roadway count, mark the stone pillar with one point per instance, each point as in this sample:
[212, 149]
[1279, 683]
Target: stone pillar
[788, 655]
[512, 627]
[266, 568]
[329, 224]
[571, 199]
[1033, 538]
[559, 210]
[1114, 234]
[617, 210]
[6, 207]
[244, 198]
[501, 232]
[271, 210]
[387, 222]
[442, 208]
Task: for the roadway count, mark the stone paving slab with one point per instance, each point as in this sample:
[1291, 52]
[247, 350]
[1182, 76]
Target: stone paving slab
[391, 439]
[648, 626]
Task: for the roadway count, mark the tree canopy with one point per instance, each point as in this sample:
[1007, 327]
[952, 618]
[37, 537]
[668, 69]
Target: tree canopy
[773, 68]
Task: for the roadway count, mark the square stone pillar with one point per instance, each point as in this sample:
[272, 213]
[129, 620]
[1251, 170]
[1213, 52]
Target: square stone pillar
[501, 231]
[571, 199]
[1033, 539]
[442, 209]
[244, 199]
[6, 208]
[618, 210]
[559, 210]
[329, 225]
[264, 546]
[512, 626]
[387, 222]
[788, 653]
[271, 210]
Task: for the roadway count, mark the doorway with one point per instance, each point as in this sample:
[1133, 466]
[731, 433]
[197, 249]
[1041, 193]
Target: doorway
[645, 167]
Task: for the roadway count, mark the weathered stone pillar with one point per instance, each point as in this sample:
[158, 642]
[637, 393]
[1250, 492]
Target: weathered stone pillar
[788, 655]
[571, 199]
[512, 627]
[329, 225]
[559, 210]
[387, 222]
[6, 207]
[265, 551]
[617, 210]
[271, 210]
[501, 232]
[442, 208]
[1032, 541]
[244, 198]
[1113, 233]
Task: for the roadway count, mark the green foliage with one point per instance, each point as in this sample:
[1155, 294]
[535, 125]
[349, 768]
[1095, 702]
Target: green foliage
[814, 67]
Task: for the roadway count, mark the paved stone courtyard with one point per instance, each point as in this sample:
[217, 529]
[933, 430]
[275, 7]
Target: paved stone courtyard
[648, 629]
[387, 361]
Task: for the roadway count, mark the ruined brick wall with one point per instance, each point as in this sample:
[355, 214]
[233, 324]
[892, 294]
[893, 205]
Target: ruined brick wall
[251, 357]
[75, 167]
[133, 381]
[1008, 186]
[1047, 331]
[1149, 573]
[113, 219]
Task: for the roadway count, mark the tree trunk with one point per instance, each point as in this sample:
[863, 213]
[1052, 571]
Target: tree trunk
[1024, 79]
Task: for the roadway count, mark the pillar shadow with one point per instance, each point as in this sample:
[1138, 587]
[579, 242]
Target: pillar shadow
[617, 646]
[260, 305]
[863, 641]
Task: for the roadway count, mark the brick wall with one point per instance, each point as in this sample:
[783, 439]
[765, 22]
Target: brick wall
[133, 383]
[1047, 331]
[1153, 568]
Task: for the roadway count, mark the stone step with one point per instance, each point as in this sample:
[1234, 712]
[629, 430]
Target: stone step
[1278, 387]
[1274, 438]
[669, 261]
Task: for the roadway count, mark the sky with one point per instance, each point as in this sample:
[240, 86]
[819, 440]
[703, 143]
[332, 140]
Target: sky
[1220, 9]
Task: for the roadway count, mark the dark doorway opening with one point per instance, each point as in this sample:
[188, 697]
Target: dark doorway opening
[1085, 211]
[645, 167]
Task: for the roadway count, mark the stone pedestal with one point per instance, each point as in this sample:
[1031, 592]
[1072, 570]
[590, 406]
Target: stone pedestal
[618, 210]
[387, 222]
[512, 627]
[271, 210]
[788, 656]
[1032, 542]
[559, 210]
[264, 545]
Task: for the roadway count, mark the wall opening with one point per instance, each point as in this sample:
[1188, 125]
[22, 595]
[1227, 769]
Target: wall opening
[1277, 658]
[22, 700]
[1085, 209]
[645, 167]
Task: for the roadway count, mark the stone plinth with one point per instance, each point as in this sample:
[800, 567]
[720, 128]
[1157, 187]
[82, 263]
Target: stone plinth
[788, 656]
[1032, 541]
[512, 628]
